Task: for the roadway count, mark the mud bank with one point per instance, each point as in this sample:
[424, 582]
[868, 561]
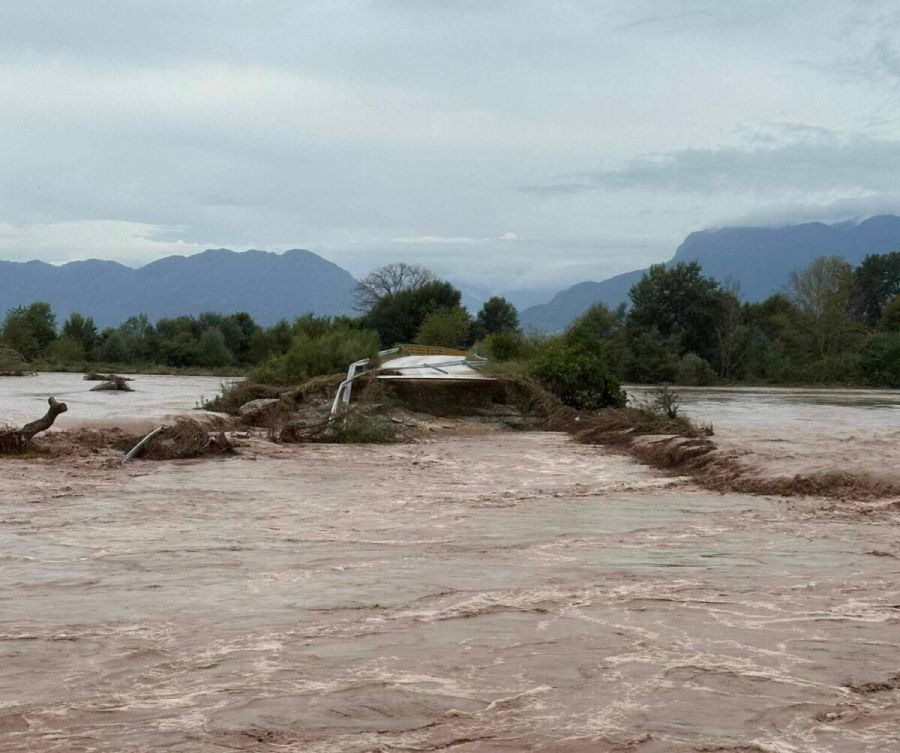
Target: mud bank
[504, 592]
[716, 469]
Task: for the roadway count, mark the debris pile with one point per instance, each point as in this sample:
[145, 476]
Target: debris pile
[93, 376]
[185, 439]
[113, 383]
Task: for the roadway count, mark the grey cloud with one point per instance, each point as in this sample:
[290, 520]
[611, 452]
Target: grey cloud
[134, 128]
[820, 165]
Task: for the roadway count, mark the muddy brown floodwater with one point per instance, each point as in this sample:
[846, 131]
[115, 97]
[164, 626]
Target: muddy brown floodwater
[500, 592]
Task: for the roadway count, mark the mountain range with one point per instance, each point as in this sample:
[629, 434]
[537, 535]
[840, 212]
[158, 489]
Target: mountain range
[760, 259]
[268, 285]
[273, 286]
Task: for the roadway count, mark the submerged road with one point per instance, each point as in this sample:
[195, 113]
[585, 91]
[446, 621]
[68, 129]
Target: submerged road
[505, 592]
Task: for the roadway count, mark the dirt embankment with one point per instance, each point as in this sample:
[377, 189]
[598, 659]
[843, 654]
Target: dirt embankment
[688, 451]
[389, 412]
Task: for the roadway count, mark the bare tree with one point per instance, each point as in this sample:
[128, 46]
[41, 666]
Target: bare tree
[390, 280]
[731, 338]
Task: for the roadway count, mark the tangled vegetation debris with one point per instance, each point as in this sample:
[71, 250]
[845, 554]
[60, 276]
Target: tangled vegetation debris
[93, 376]
[185, 439]
[232, 396]
[113, 383]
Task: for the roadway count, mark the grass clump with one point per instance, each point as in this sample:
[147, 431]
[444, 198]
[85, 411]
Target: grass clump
[359, 428]
[232, 396]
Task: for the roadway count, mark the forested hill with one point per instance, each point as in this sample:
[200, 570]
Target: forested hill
[269, 286]
[761, 259]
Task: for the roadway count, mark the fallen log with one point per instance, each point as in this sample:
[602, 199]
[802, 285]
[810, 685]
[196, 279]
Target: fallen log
[19, 440]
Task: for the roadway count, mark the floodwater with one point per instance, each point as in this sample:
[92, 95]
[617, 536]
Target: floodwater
[154, 399]
[498, 592]
[791, 430]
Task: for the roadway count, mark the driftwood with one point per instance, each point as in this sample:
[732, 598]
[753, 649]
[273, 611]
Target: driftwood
[19, 440]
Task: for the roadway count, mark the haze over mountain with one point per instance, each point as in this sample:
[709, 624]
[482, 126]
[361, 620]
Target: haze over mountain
[269, 286]
[760, 259]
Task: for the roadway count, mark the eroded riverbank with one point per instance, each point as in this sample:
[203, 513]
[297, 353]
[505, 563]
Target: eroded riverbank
[509, 591]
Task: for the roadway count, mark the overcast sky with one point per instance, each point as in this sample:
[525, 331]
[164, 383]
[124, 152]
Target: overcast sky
[508, 144]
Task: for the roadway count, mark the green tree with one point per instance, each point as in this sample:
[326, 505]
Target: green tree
[66, 351]
[822, 295]
[732, 335]
[449, 328]
[179, 348]
[890, 317]
[81, 330]
[771, 335]
[397, 317]
[136, 340]
[29, 329]
[577, 375]
[496, 315]
[879, 360]
[877, 281]
[212, 351]
[680, 303]
[652, 358]
[276, 340]
[600, 328]
[111, 347]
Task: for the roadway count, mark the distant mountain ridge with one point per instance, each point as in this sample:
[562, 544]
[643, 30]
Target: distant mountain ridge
[761, 259]
[268, 285]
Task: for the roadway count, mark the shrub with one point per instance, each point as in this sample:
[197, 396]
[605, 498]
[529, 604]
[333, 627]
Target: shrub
[11, 362]
[356, 428]
[313, 356]
[579, 377]
[505, 346]
[447, 327]
[664, 402]
[693, 370]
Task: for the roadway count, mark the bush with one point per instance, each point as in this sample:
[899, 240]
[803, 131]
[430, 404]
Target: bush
[313, 356]
[11, 362]
[664, 402]
[448, 328]
[693, 370]
[505, 346]
[579, 377]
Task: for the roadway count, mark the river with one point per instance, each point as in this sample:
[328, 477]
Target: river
[494, 592]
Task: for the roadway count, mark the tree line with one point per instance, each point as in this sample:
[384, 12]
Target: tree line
[833, 324]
